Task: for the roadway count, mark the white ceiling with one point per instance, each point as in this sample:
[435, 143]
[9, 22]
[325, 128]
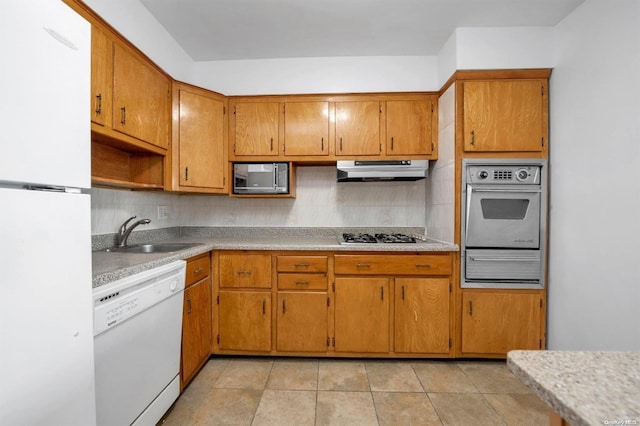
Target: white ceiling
[211, 30]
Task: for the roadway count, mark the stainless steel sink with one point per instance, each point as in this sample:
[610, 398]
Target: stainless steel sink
[154, 248]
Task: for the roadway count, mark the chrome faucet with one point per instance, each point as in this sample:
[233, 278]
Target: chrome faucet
[123, 233]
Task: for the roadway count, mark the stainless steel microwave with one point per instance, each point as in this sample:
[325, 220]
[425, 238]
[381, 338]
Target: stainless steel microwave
[260, 178]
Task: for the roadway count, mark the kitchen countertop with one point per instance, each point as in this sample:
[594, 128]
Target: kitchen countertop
[111, 266]
[584, 388]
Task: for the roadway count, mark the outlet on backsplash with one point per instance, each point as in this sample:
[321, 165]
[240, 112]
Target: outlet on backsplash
[163, 212]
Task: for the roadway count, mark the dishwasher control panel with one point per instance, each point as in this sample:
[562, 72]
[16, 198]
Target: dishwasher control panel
[118, 301]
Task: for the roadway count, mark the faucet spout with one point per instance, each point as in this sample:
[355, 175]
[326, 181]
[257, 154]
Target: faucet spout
[123, 233]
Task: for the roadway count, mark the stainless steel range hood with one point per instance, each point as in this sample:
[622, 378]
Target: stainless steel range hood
[383, 170]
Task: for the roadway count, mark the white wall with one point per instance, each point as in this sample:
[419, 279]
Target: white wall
[594, 275]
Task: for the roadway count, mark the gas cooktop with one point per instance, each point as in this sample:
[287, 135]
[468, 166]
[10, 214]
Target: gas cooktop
[363, 238]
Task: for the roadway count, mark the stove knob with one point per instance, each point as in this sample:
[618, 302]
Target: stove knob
[483, 174]
[522, 174]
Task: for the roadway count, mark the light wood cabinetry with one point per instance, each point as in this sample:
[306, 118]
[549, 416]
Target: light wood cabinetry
[358, 128]
[101, 77]
[244, 302]
[255, 127]
[410, 127]
[362, 314]
[508, 115]
[199, 149]
[303, 304]
[306, 128]
[495, 322]
[196, 318]
[422, 317]
[418, 287]
[141, 98]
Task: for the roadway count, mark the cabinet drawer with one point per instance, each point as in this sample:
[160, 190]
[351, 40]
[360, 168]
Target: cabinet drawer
[302, 263]
[393, 265]
[197, 269]
[302, 281]
[245, 270]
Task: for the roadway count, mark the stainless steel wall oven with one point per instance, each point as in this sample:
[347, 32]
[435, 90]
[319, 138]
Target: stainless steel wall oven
[504, 217]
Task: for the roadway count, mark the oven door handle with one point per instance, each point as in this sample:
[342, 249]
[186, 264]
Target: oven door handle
[503, 259]
[526, 191]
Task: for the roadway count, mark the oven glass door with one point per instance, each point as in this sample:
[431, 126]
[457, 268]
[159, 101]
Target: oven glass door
[502, 217]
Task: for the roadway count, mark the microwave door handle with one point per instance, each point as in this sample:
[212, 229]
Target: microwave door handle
[275, 176]
[503, 259]
[526, 191]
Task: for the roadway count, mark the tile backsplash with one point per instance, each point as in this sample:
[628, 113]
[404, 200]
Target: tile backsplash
[320, 202]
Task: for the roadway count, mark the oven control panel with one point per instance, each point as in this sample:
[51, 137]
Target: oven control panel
[512, 174]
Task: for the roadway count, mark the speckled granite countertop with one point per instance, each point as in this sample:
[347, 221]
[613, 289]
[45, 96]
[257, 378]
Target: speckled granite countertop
[111, 266]
[584, 388]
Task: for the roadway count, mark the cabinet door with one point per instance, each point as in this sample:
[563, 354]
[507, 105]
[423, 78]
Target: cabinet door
[495, 323]
[196, 328]
[140, 99]
[245, 270]
[504, 115]
[244, 320]
[409, 127]
[101, 77]
[362, 315]
[256, 128]
[306, 128]
[201, 138]
[422, 315]
[358, 128]
[302, 322]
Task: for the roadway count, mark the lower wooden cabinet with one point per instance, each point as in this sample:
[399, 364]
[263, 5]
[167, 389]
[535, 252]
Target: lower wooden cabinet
[196, 318]
[301, 321]
[495, 322]
[244, 320]
[422, 311]
[362, 314]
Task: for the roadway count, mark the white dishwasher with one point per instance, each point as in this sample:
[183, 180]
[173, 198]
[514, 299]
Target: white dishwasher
[137, 335]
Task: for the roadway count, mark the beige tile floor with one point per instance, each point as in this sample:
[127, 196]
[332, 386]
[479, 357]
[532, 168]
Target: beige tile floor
[300, 391]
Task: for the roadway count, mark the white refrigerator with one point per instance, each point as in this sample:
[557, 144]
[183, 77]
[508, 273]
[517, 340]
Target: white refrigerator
[46, 316]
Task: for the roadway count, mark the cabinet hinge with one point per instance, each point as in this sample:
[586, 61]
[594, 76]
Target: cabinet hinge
[450, 287]
[333, 341]
[284, 109]
[234, 110]
[540, 344]
[234, 146]
[217, 299]
[380, 147]
[328, 301]
[432, 107]
[224, 180]
[432, 147]
[540, 303]
[380, 108]
[450, 343]
[333, 287]
[328, 342]
[218, 339]
[224, 110]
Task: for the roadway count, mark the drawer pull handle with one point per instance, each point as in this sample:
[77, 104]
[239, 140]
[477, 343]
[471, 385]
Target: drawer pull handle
[197, 271]
[473, 138]
[381, 293]
[302, 282]
[402, 292]
[98, 104]
[264, 307]
[301, 265]
[244, 272]
[123, 115]
[423, 265]
[189, 306]
[363, 265]
[284, 308]
[470, 308]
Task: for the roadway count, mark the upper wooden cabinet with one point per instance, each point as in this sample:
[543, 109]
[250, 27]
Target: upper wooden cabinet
[507, 115]
[141, 98]
[306, 128]
[326, 128]
[255, 127]
[410, 126]
[199, 148]
[101, 77]
[358, 128]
